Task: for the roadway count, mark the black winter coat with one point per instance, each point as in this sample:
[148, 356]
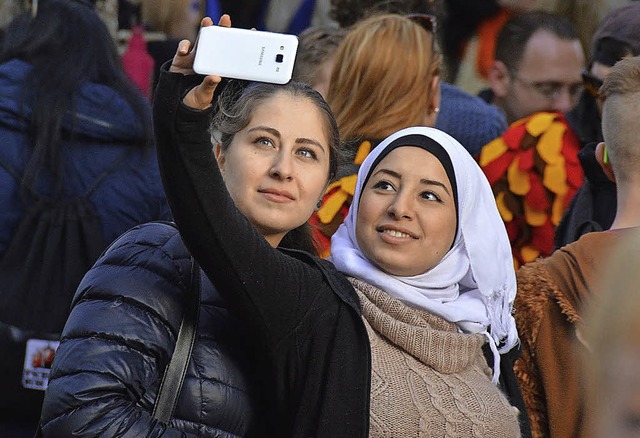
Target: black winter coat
[119, 339]
[593, 207]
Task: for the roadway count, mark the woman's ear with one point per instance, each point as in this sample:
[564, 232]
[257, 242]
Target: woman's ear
[220, 157]
[433, 108]
[603, 160]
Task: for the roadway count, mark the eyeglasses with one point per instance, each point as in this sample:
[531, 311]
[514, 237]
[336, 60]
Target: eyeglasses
[551, 90]
[427, 21]
[591, 83]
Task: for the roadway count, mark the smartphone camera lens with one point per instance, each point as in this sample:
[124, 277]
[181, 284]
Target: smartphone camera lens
[279, 57]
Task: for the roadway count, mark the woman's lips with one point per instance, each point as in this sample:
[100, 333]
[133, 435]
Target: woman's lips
[394, 233]
[280, 196]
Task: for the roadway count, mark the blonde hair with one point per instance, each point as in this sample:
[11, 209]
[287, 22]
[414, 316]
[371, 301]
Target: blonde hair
[621, 94]
[382, 77]
[163, 15]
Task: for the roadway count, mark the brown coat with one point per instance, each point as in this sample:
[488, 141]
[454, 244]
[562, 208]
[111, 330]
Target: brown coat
[552, 294]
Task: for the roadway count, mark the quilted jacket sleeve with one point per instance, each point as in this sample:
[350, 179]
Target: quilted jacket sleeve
[118, 339]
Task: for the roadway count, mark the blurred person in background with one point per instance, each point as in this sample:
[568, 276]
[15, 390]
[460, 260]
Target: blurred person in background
[71, 124]
[533, 166]
[593, 207]
[553, 292]
[372, 97]
[467, 118]
[315, 58]
[174, 20]
[537, 66]
[612, 331]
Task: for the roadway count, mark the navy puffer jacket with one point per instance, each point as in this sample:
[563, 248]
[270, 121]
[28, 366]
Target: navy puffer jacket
[119, 339]
[105, 128]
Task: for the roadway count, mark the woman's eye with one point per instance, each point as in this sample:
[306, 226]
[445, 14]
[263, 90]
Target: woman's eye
[265, 141]
[307, 153]
[430, 196]
[383, 185]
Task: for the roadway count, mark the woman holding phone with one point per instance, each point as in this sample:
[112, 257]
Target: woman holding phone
[277, 153]
[320, 342]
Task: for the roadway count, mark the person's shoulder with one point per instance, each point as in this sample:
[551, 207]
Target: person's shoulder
[148, 264]
[309, 259]
[151, 242]
[597, 245]
[535, 283]
[156, 233]
[589, 244]
[456, 97]
[337, 281]
[469, 119]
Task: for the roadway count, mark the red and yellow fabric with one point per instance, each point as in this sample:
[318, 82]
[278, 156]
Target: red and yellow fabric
[534, 171]
[335, 205]
[487, 35]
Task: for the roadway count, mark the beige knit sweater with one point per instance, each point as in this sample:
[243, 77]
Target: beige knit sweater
[427, 379]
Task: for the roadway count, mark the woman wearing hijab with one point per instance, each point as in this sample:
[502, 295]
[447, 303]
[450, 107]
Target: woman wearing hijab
[429, 258]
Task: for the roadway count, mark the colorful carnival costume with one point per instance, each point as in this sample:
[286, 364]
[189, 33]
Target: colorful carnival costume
[534, 171]
[337, 200]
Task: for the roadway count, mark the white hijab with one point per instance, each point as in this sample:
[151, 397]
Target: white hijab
[474, 285]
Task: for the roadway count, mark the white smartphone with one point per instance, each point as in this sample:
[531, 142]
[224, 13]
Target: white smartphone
[245, 54]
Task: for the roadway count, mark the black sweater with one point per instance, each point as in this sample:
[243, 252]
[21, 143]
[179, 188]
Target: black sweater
[304, 316]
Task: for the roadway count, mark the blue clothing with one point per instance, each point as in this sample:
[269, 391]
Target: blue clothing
[104, 128]
[469, 119]
[120, 337]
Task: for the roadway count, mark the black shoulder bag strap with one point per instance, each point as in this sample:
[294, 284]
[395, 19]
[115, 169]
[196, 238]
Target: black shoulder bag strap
[175, 372]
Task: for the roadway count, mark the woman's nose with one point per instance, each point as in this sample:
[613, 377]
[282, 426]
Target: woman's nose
[282, 166]
[400, 207]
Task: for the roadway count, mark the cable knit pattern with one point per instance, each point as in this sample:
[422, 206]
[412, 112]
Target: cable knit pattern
[427, 379]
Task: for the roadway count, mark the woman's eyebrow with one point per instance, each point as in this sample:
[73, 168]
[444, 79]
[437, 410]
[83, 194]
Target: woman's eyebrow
[276, 133]
[424, 181]
[389, 172]
[305, 140]
[432, 182]
[269, 129]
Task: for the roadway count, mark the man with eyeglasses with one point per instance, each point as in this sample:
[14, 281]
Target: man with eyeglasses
[537, 67]
[555, 292]
[594, 206]
[533, 166]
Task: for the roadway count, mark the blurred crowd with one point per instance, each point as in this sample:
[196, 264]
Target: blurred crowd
[531, 106]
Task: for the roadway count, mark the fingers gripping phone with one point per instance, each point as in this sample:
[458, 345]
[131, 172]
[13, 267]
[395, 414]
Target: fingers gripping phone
[245, 54]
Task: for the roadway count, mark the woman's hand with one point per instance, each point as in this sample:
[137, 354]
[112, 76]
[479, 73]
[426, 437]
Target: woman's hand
[201, 95]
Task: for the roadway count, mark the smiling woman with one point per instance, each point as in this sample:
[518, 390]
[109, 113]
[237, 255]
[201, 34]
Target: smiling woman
[429, 257]
[407, 219]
